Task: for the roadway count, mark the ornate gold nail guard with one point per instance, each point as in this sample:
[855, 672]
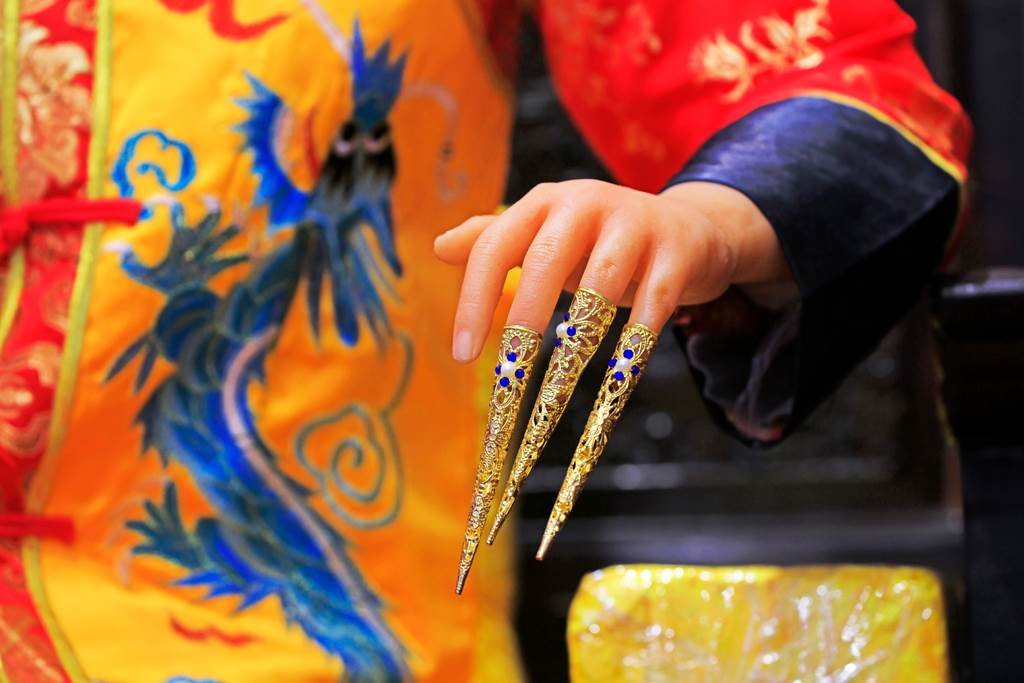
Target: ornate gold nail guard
[581, 331]
[624, 370]
[578, 336]
[517, 353]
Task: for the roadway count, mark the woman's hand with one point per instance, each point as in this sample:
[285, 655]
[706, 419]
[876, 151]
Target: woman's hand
[650, 252]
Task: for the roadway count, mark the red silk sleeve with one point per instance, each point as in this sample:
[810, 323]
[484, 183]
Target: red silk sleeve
[649, 81]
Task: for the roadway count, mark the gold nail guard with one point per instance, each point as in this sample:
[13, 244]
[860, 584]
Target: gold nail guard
[517, 354]
[578, 335]
[625, 369]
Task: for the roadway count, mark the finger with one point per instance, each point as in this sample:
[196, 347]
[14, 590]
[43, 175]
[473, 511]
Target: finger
[500, 246]
[573, 283]
[556, 251]
[659, 291]
[613, 263]
[453, 247]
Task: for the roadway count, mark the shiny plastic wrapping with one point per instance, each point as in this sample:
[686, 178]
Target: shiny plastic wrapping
[659, 623]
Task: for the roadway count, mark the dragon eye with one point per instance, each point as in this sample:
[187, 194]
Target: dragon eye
[378, 139]
[348, 131]
[346, 140]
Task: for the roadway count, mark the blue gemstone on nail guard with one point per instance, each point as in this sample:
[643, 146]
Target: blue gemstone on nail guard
[635, 370]
[512, 357]
[497, 369]
[619, 376]
[565, 317]
[520, 373]
[504, 381]
[628, 353]
[612, 362]
[571, 331]
[558, 342]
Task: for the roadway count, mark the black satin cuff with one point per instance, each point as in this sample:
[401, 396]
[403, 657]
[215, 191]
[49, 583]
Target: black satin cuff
[862, 216]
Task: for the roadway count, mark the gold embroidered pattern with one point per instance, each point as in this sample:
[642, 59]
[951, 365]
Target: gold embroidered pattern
[632, 353]
[579, 334]
[50, 110]
[26, 440]
[56, 303]
[782, 45]
[518, 352]
[17, 396]
[915, 109]
[595, 34]
[81, 13]
[21, 642]
[42, 357]
[77, 13]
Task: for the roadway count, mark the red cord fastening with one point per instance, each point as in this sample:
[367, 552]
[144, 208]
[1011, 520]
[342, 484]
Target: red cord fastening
[22, 525]
[15, 221]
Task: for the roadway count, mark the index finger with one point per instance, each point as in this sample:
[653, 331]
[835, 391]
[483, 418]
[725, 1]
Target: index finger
[500, 247]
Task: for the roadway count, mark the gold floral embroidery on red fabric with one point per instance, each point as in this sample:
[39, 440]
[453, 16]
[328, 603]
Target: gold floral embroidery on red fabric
[79, 13]
[616, 33]
[778, 46]
[51, 109]
[23, 646]
[623, 33]
[26, 653]
[42, 357]
[18, 395]
[56, 304]
[49, 246]
[918, 109]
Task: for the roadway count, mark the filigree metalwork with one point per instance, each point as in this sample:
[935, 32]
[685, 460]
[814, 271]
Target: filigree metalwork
[517, 354]
[625, 369]
[581, 331]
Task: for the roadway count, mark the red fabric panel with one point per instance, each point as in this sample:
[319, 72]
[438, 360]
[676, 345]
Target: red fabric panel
[648, 81]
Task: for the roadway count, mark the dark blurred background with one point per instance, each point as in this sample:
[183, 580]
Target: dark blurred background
[872, 477]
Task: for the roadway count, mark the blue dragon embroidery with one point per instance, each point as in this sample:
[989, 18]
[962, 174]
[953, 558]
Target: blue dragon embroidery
[351, 198]
[266, 538]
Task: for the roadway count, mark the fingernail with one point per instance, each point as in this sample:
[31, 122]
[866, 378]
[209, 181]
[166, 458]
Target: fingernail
[462, 347]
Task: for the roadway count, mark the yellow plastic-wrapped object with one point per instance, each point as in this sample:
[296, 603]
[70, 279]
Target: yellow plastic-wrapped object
[659, 623]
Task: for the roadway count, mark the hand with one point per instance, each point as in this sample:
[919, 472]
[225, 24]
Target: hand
[652, 252]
